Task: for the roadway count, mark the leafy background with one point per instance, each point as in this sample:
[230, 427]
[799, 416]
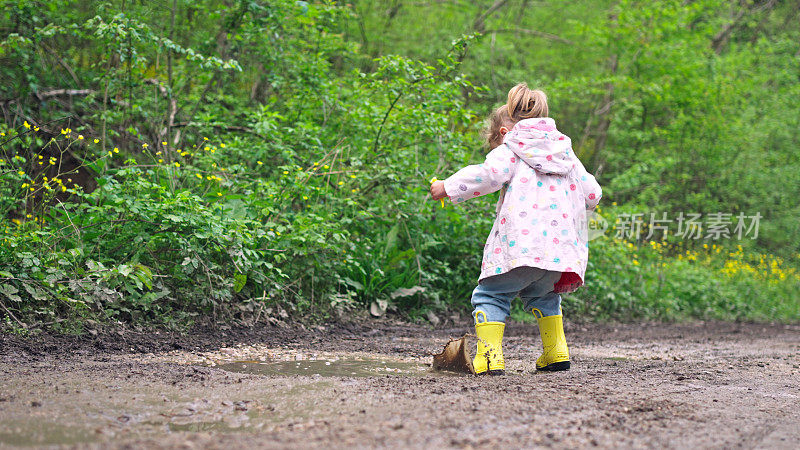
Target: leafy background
[170, 162]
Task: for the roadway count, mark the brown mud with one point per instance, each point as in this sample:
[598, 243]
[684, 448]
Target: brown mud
[710, 385]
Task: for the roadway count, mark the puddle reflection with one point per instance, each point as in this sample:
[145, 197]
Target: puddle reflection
[343, 367]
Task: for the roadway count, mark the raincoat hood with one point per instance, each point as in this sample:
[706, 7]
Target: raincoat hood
[538, 143]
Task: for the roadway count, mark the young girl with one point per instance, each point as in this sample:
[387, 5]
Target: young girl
[538, 246]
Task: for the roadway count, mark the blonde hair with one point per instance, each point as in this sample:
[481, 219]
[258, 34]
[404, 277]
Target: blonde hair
[526, 103]
[497, 119]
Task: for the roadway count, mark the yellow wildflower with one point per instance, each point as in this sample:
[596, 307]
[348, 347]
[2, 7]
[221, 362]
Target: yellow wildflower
[222, 145]
[286, 172]
[259, 163]
[163, 142]
[198, 176]
[353, 176]
[341, 183]
[177, 164]
[80, 137]
[219, 194]
[205, 138]
[160, 161]
[27, 125]
[116, 150]
[21, 172]
[96, 141]
[144, 145]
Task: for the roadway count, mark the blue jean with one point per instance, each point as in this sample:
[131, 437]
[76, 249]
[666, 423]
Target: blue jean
[533, 285]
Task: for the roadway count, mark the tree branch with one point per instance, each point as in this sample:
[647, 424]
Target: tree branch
[541, 34]
[480, 21]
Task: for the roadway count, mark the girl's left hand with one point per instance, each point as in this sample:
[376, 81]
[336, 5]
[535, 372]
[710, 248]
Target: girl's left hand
[437, 190]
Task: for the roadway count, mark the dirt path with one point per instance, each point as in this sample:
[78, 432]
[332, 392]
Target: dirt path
[654, 385]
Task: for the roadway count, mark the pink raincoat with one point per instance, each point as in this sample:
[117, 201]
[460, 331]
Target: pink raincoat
[542, 211]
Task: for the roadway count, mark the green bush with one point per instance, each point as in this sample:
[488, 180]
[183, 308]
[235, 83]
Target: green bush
[231, 162]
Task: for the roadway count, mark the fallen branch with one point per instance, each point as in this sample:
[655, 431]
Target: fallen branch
[57, 92]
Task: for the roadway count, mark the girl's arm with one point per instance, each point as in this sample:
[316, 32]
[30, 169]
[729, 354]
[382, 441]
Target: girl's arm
[481, 179]
[589, 185]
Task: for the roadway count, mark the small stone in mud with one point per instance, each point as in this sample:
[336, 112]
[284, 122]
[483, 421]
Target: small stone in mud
[36, 404]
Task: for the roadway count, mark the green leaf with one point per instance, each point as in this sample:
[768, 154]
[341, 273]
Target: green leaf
[10, 292]
[391, 238]
[239, 280]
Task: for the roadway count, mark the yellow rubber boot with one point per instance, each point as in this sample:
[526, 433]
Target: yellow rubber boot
[489, 357]
[555, 355]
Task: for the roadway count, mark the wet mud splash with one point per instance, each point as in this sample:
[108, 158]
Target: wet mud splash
[454, 357]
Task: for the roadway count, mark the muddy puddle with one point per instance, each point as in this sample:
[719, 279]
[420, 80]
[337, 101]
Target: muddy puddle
[334, 367]
[41, 433]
